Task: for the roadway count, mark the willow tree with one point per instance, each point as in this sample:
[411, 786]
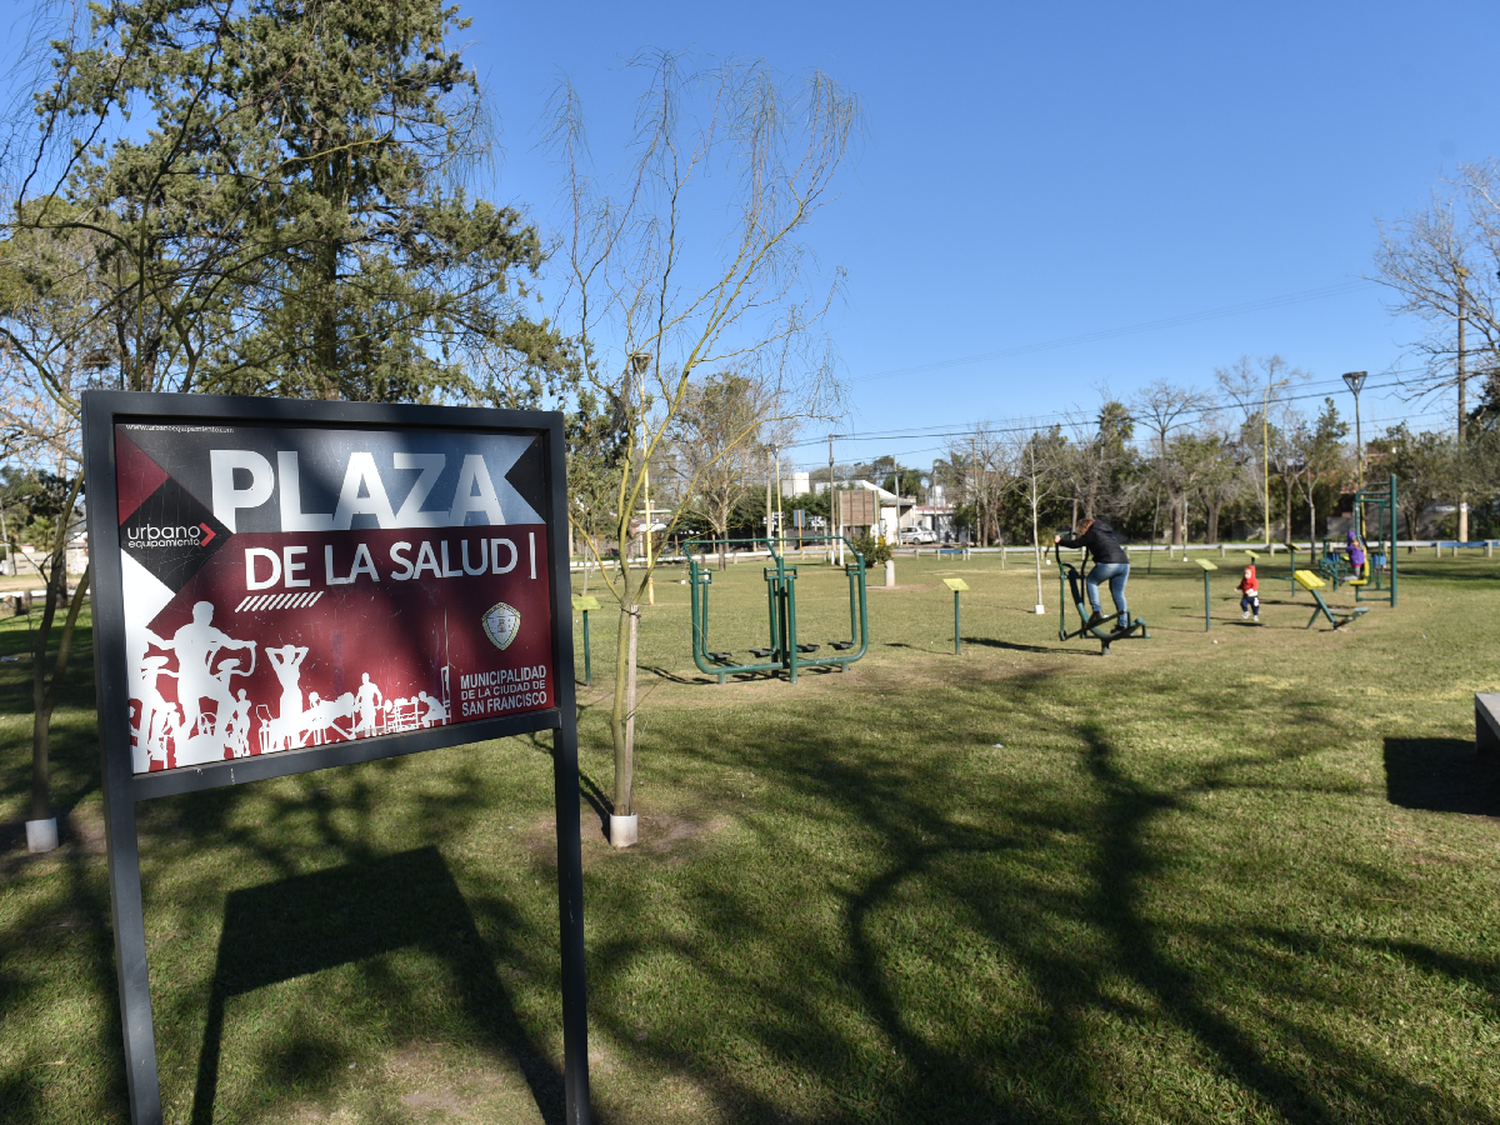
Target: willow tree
[689, 260]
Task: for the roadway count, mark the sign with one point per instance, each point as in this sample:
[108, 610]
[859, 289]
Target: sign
[857, 508]
[288, 586]
[955, 584]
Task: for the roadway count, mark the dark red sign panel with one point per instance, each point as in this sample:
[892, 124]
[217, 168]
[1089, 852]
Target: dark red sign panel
[289, 586]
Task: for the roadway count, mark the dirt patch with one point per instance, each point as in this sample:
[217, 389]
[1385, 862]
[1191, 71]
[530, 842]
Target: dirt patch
[676, 838]
[79, 833]
[426, 1083]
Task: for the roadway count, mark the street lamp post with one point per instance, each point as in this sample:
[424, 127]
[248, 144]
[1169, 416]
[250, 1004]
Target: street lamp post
[1355, 380]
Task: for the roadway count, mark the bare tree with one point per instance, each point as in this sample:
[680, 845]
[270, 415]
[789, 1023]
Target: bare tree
[716, 438]
[1259, 391]
[1095, 456]
[662, 292]
[980, 469]
[1317, 455]
[1224, 479]
[1033, 472]
[1440, 264]
[1161, 408]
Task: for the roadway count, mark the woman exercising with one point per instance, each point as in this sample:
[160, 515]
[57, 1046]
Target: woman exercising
[1111, 565]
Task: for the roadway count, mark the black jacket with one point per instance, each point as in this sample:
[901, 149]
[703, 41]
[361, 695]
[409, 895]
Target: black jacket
[1100, 540]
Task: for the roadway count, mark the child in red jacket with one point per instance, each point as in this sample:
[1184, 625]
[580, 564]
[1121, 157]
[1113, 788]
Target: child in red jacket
[1249, 590]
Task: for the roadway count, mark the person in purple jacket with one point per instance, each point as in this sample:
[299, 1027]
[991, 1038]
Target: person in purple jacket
[1111, 565]
[1356, 551]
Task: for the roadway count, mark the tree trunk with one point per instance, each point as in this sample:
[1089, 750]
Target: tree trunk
[1036, 543]
[622, 713]
[41, 714]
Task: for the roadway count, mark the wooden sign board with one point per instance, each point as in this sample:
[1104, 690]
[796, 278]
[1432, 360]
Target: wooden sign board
[857, 508]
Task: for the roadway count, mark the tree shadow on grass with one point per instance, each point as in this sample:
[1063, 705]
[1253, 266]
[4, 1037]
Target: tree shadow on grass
[989, 977]
[1441, 775]
[306, 924]
[1012, 646]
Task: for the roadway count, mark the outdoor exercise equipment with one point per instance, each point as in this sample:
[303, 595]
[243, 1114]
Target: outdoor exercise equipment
[957, 585]
[1105, 631]
[1375, 524]
[582, 605]
[1335, 567]
[1312, 582]
[782, 653]
[1207, 566]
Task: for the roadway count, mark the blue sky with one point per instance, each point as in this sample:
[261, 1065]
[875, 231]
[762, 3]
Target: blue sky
[1037, 173]
[1177, 184]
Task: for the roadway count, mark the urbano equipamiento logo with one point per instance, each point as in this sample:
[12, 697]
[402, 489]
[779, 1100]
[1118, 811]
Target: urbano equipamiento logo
[179, 535]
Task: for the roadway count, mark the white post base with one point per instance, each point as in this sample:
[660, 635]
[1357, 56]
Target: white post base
[41, 835]
[1040, 609]
[890, 572]
[623, 830]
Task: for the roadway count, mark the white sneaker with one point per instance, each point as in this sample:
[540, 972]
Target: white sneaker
[1244, 616]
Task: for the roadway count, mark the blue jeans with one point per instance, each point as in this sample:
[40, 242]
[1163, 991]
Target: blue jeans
[1115, 574]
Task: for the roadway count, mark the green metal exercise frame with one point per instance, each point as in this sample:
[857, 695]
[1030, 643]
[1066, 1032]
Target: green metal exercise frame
[1068, 575]
[1312, 582]
[1375, 523]
[783, 653]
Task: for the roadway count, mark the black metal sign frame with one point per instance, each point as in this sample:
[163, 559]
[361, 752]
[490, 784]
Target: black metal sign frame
[124, 786]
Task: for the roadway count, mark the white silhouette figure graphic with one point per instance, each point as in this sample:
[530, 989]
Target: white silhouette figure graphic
[236, 729]
[197, 645]
[159, 720]
[369, 700]
[324, 715]
[157, 716]
[436, 714]
[286, 662]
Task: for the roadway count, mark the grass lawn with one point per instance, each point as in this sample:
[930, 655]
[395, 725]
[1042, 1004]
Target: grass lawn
[1250, 875]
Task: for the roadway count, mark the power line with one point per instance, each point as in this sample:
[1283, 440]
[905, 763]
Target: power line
[1316, 390]
[1338, 290]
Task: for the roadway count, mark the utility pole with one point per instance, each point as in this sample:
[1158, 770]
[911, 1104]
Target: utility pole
[1463, 421]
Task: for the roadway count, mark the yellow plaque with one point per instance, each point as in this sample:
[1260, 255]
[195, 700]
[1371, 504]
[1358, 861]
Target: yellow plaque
[955, 584]
[581, 604]
[1205, 564]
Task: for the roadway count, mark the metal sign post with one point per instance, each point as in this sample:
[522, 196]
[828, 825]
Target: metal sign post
[289, 586]
[583, 604]
[1207, 566]
[957, 585]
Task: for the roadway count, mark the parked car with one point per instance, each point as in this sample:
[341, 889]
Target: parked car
[913, 535]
